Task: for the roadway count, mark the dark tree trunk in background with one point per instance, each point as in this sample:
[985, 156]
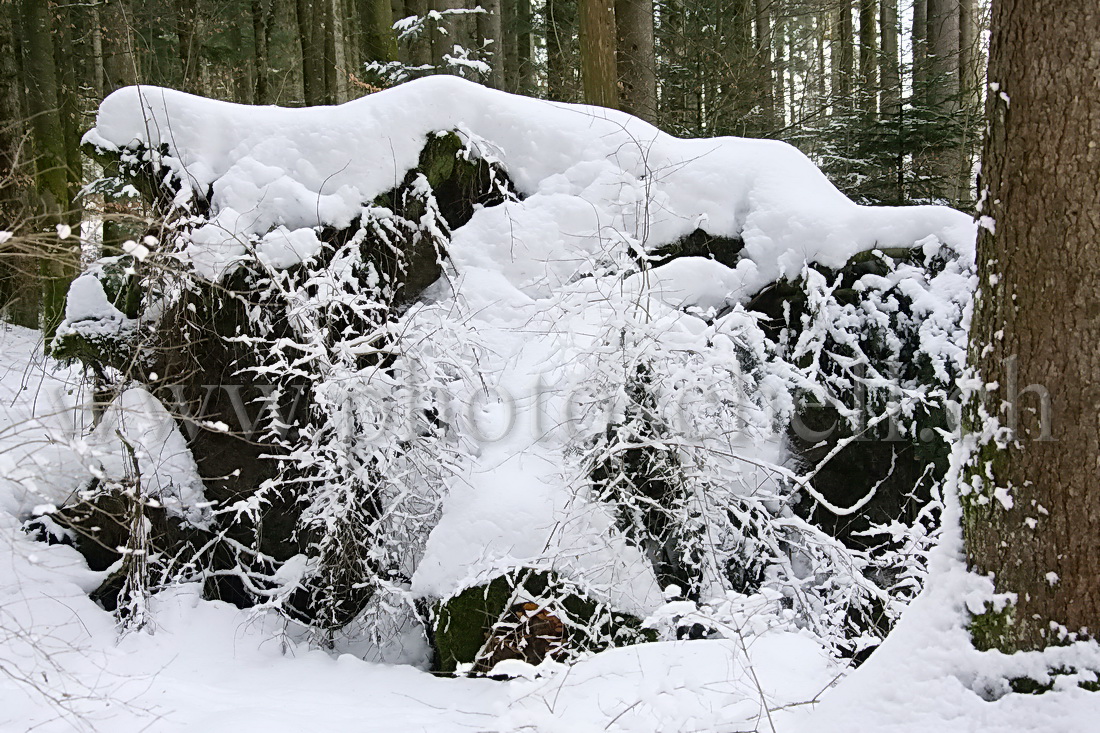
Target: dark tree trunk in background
[54, 204]
[19, 283]
[561, 50]
[890, 99]
[943, 96]
[843, 56]
[119, 64]
[598, 72]
[311, 39]
[765, 63]
[737, 89]
[490, 32]
[379, 40]
[868, 56]
[260, 20]
[920, 50]
[1037, 322]
[635, 58]
[187, 21]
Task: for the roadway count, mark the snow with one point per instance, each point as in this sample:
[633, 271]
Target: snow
[136, 421]
[88, 312]
[518, 302]
[603, 174]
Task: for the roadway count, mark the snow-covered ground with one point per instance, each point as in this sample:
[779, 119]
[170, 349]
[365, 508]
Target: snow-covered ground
[533, 283]
[208, 666]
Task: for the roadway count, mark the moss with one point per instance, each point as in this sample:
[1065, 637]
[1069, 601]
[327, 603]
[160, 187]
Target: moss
[726, 250]
[473, 626]
[993, 629]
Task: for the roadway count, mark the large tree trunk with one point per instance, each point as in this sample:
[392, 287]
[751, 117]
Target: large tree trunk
[525, 47]
[1032, 518]
[336, 62]
[636, 61]
[598, 73]
[943, 53]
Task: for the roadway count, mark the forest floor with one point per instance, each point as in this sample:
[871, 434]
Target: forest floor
[202, 665]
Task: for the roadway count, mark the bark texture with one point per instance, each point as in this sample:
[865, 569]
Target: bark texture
[636, 60]
[1035, 508]
[598, 73]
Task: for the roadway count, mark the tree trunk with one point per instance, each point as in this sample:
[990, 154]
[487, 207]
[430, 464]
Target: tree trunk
[868, 56]
[943, 53]
[379, 40]
[525, 47]
[737, 89]
[943, 97]
[490, 32]
[561, 50]
[598, 73]
[890, 101]
[336, 62]
[50, 155]
[259, 36]
[920, 51]
[1031, 508]
[19, 283]
[187, 21]
[636, 61]
[119, 64]
[313, 76]
[765, 63]
[843, 61]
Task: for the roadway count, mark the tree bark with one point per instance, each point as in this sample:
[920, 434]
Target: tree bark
[843, 61]
[766, 64]
[890, 100]
[490, 31]
[635, 58]
[187, 21]
[561, 50]
[119, 63]
[1031, 506]
[261, 95]
[868, 56]
[920, 51]
[313, 77]
[943, 97]
[19, 285]
[54, 207]
[598, 73]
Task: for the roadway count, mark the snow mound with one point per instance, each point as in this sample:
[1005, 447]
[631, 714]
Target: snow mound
[590, 178]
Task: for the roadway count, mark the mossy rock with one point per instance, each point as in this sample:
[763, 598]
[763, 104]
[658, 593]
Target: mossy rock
[700, 243]
[897, 464]
[525, 614]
